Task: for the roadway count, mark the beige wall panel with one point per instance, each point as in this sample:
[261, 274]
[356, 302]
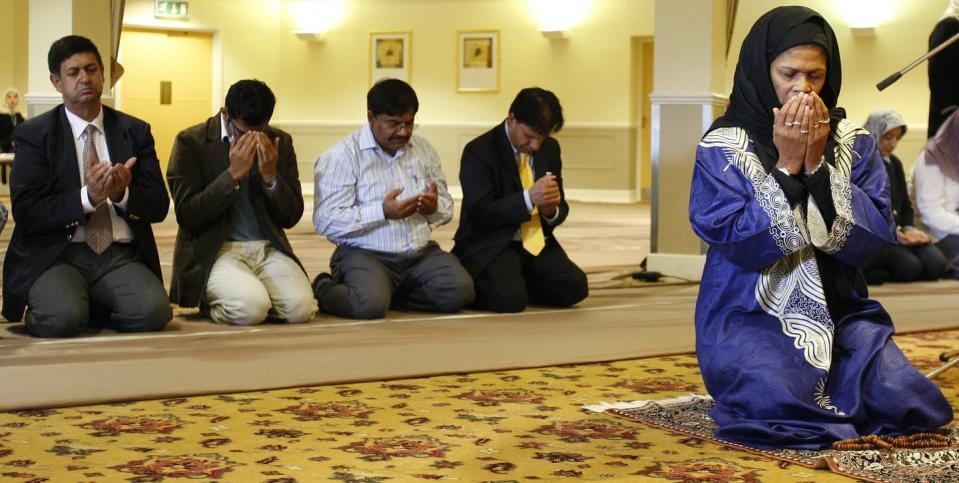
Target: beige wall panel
[583, 148]
[598, 157]
[309, 141]
[449, 140]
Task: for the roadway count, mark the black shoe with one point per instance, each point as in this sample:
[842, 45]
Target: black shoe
[321, 283]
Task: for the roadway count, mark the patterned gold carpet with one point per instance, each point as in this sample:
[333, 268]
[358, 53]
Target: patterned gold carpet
[510, 426]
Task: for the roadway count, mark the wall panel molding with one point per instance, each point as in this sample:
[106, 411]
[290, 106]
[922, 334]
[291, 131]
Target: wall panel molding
[599, 162]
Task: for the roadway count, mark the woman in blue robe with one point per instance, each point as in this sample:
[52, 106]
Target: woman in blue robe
[791, 199]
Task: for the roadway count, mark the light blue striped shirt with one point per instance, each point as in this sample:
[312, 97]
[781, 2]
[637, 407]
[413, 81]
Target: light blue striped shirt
[351, 180]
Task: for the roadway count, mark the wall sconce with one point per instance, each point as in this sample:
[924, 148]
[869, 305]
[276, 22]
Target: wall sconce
[557, 17]
[314, 18]
[554, 34]
[310, 36]
[864, 16]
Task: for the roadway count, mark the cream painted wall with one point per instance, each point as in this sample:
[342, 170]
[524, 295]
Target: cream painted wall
[7, 44]
[867, 60]
[91, 19]
[13, 47]
[246, 33]
[688, 75]
[590, 72]
[328, 81]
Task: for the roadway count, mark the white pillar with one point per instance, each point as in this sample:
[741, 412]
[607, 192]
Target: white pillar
[685, 102]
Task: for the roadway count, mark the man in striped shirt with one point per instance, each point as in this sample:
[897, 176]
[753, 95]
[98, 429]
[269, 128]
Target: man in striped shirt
[378, 194]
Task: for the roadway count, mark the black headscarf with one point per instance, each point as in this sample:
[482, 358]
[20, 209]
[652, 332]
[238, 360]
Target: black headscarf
[753, 98]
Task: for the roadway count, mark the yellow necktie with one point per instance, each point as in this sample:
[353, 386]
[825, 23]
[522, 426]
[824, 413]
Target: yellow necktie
[531, 232]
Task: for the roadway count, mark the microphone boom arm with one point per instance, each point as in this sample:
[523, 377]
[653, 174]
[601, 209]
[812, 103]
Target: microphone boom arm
[893, 78]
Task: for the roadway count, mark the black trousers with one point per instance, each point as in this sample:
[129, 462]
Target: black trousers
[367, 283]
[85, 289]
[899, 263]
[950, 249]
[516, 278]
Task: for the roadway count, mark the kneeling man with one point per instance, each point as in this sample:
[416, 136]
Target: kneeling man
[235, 188]
[512, 201]
[85, 187]
[378, 194]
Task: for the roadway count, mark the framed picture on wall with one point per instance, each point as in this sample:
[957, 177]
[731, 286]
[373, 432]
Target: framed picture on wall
[390, 55]
[477, 62]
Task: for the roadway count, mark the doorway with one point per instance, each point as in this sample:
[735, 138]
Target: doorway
[167, 81]
[641, 85]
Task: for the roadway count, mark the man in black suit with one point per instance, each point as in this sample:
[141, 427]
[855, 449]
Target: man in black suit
[85, 187]
[505, 237]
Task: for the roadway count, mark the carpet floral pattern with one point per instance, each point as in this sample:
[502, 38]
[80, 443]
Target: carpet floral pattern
[508, 426]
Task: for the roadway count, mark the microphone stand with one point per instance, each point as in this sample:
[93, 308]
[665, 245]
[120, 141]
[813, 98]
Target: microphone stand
[893, 78]
[945, 357]
[949, 358]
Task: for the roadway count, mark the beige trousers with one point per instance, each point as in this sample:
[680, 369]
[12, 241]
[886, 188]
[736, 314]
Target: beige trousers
[251, 281]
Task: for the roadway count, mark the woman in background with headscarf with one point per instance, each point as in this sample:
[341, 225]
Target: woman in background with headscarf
[791, 201]
[943, 68]
[9, 119]
[913, 257]
[935, 177]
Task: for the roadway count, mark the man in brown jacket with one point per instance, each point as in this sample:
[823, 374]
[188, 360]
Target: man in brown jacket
[235, 189]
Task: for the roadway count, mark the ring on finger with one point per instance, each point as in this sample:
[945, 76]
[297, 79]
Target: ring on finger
[803, 131]
[794, 123]
[823, 122]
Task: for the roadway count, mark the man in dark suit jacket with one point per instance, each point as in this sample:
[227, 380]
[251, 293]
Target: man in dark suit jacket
[85, 187]
[235, 187]
[505, 236]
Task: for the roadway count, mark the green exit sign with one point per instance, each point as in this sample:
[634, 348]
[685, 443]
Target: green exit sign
[172, 9]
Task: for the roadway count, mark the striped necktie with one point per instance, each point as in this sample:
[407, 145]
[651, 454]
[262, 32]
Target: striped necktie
[99, 228]
[530, 232]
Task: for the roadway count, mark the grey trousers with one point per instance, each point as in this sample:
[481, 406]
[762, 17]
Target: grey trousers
[367, 283]
[83, 289]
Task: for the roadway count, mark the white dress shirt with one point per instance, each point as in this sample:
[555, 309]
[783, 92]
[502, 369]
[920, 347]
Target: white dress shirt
[937, 198]
[121, 230]
[353, 177]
